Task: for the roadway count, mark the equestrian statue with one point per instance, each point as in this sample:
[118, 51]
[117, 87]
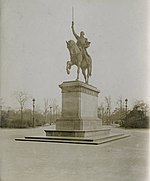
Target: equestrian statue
[79, 55]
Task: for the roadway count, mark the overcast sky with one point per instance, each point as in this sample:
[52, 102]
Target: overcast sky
[34, 52]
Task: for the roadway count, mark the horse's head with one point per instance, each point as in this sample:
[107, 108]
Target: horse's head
[70, 44]
[72, 47]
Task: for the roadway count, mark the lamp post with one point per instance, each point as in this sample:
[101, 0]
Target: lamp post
[126, 106]
[107, 116]
[33, 111]
[50, 114]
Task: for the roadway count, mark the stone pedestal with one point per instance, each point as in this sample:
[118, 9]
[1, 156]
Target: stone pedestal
[79, 107]
[79, 112]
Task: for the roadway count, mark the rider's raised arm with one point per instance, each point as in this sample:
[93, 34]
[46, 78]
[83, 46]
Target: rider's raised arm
[74, 31]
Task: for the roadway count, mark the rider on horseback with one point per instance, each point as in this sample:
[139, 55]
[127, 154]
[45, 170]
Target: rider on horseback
[82, 43]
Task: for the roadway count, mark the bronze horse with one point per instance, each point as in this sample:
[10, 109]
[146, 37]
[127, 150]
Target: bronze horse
[81, 60]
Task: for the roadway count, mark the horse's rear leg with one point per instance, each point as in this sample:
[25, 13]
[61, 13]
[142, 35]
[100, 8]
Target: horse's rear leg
[88, 75]
[84, 74]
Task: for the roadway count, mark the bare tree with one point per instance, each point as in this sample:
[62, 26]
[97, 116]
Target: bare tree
[120, 104]
[101, 111]
[108, 108]
[21, 98]
[46, 106]
[1, 101]
[55, 109]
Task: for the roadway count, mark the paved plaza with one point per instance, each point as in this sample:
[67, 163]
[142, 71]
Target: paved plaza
[121, 160]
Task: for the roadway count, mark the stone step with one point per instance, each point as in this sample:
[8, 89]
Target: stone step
[111, 139]
[111, 136]
[73, 138]
[74, 141]
[54, 141]
[59, 138]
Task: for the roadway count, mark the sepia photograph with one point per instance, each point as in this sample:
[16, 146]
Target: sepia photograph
[74, 90]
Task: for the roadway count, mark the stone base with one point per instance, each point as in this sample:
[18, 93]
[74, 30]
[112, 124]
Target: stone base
[79, 133]
[78, 124]
[73, 140]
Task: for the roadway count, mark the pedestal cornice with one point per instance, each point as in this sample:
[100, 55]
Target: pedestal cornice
[78, 86]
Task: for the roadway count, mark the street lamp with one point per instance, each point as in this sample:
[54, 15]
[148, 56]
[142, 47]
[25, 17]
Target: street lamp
[50, 114]
[107, 116]
[33, 111]
[126, 106]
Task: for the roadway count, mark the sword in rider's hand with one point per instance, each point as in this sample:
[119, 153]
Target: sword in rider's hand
[72, 15]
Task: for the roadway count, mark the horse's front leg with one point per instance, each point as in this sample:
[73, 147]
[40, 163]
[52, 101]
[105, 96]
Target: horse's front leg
[78, 71]
[68, 67]
[87, 79]
[79, 59]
